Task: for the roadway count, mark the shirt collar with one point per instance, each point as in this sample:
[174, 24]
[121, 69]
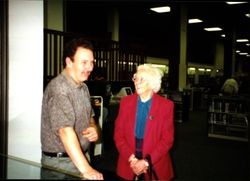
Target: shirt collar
[147, 102]
[71, 80]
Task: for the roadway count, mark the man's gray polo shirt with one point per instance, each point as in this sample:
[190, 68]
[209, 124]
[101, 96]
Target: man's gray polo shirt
[65, 104]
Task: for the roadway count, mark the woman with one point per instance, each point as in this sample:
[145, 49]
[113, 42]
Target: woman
[144, 130]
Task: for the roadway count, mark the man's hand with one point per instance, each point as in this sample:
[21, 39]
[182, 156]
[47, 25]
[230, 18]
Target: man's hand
[90, 133]
[92, 174]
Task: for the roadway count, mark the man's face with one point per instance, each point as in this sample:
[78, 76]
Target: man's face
[82, 65]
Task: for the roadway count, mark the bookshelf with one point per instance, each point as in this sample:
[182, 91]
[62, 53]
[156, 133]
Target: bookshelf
[228, 117]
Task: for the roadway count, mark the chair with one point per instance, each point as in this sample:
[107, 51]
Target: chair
[97, 104]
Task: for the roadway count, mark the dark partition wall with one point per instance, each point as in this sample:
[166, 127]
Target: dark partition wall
[4, 86]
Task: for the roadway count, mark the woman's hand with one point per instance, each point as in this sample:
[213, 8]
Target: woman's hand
[139, 166]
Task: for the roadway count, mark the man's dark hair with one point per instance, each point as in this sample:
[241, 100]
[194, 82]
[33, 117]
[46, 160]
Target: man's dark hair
[71, 47]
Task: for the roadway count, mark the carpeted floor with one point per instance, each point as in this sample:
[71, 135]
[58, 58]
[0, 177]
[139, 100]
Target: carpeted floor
[194, 155]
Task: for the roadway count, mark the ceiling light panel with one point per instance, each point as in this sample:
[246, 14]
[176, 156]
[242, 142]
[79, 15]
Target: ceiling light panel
[235, 2]
[213, 29]
[195, 20]
[163, 9]
[242, 40]
[247, 15]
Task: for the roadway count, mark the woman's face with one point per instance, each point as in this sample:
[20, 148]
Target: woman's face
[141, 83]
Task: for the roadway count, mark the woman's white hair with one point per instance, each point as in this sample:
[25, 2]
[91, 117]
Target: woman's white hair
[153, 75]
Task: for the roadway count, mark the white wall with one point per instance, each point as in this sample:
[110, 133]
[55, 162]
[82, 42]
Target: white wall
[25, 78]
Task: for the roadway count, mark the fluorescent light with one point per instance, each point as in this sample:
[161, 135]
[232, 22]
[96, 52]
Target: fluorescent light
[237, 51]
[162, 9]
[247, 15]
[248, 44]
[223, 35]
[243, 53]
[191, 68]
[235, 2]
[195, 20]
[242, 40]
[213, 29]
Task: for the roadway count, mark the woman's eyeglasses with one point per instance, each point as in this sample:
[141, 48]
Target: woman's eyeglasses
[138, 79]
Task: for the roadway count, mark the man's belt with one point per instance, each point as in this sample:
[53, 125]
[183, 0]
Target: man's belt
[59, 154]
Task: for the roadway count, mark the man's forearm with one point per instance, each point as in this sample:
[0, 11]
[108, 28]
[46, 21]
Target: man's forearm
[73, 149]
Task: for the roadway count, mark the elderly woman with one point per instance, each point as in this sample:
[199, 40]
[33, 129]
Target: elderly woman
[144, 130]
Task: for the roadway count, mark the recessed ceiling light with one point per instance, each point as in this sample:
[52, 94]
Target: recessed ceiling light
[195, 20]
[242, 40]
[191, 68]
[235, 2]
[243, 53]
[247, 15]
[162, 9]
[223, 35]
[213, 29]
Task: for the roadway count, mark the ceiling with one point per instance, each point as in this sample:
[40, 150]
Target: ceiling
[231, 18]
[157, 32]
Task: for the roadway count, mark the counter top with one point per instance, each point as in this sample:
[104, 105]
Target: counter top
[16, 168]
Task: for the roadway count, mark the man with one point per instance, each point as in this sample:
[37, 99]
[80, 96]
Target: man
[67, 125]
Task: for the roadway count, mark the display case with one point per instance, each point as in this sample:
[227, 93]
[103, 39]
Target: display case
[15, 168]
[228, 117]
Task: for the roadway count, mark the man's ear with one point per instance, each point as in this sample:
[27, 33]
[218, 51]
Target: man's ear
[68, 62]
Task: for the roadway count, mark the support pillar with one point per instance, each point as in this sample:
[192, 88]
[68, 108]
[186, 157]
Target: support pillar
[177, 61]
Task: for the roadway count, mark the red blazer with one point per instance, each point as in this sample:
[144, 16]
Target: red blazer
[158, 137]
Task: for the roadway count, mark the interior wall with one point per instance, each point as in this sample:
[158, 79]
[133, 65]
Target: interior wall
[154, 60]
[25, 78]
[4, 81]
[219, 58]
[53, 15]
